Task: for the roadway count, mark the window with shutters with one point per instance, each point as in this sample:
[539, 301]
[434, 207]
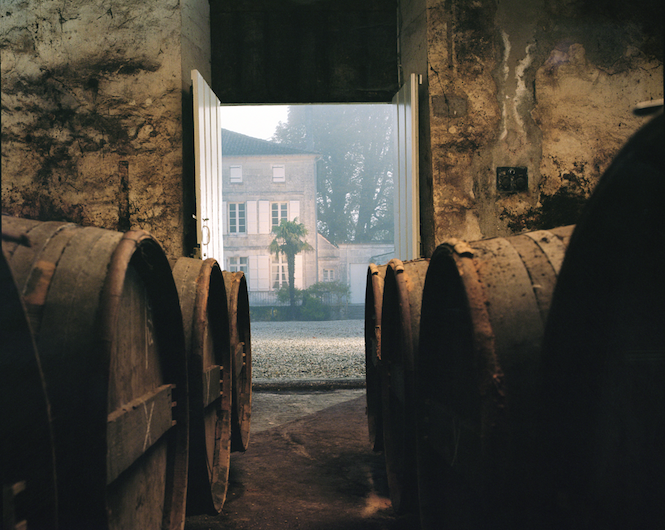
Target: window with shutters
[239, 264]
[236, 175]
[278, 173]
[279, 211]
[237, 218]
[279, 271]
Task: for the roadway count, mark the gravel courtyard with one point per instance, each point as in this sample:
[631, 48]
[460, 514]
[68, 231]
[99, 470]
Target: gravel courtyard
[308, 350]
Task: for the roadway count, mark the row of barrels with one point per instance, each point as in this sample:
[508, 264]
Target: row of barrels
[126, 384]
[519, 382]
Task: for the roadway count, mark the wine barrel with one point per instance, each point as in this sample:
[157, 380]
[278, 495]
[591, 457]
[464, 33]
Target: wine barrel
[27, 466]
[241, 357]
[603, 445]
[202, 295]
[106, 319]
[400, 329]
[373, 303]
[484, 309]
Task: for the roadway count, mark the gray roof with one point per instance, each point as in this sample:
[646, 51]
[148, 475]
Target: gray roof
[236, 144]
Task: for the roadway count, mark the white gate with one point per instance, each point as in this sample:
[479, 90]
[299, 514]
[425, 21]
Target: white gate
[407, 206]
[208, 172]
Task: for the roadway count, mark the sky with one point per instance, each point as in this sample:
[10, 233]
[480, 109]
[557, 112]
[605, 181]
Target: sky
[256, 121]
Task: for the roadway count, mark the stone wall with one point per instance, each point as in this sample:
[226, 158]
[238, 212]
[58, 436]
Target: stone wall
[92, 111]
[544, 85]
[96, 126]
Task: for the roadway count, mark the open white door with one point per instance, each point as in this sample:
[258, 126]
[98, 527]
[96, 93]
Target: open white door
[208, 163]
[407, 205]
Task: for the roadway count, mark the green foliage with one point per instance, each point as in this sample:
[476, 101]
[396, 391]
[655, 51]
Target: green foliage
[283, 294]
[310, 303]
[337, 289]
[288, 241]
[269, 314]
[355, 172]
[288, 238]
[313, 309]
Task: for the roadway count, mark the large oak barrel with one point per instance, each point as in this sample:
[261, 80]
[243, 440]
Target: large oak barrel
[202, 295]
[27, 466]
[400, 329]
[484, 309]
[241, 357]
[373, 304]
[603, 445]
[105, 314]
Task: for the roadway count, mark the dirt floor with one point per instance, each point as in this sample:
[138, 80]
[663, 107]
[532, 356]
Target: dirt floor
[308, 466]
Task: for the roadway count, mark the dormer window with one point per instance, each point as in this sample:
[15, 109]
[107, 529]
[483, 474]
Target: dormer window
[236, 175]
[278, 173]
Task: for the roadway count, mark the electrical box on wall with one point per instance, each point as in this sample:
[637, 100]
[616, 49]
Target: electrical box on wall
[512, 179]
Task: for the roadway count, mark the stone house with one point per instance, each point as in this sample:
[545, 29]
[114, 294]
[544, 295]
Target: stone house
[348, 262]
[262, 184]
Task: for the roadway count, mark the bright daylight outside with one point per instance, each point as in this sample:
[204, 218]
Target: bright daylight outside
[308, 205]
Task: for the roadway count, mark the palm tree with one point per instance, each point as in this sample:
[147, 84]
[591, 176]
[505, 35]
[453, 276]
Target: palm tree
[288, 241]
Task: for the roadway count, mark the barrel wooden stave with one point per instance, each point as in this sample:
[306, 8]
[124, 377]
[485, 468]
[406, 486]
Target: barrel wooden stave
[27, 467]
[204, 305]
[86, 308]
[163, 322]
[373, 303]
[484, 307]
[603, 439]
[241, 356]
[400, 327]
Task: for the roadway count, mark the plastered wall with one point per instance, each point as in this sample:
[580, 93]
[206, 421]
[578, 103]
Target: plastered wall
[523, 83]
[93, 96]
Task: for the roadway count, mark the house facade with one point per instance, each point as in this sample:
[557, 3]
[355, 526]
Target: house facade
[262, 183]
[348, 262]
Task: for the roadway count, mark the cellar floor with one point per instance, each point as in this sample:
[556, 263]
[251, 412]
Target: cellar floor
[308, 466]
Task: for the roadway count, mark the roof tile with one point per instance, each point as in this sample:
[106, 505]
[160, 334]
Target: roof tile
[236, 144]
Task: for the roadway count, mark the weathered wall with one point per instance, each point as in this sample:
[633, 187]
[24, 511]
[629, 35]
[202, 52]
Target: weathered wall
[544, 85]
[95, 98]
[92, 108]
[304, 51]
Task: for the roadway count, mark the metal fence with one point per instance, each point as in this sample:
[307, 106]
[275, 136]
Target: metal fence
[269, 298]
[265, 298]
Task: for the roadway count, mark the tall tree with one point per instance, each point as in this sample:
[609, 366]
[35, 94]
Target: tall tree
[355, 173]
[288, 241]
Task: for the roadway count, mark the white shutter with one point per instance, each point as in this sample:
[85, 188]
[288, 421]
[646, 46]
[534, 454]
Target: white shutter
[264, 217]
[224, 217]
[252, 217]
[278, 173]
[407, 206]
[298, 272]
[294, 211]
[263, 283]
[253, 272]
[208, 168]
